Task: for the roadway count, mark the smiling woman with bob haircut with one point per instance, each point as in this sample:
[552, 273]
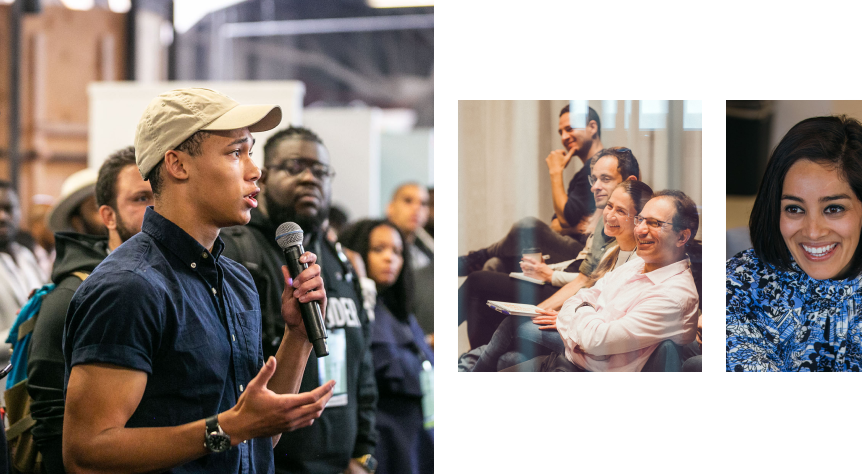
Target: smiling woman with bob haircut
[792, 300]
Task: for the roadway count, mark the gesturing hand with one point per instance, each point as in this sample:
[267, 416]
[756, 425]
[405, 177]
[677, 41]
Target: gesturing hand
[307, 286]
[262, 412]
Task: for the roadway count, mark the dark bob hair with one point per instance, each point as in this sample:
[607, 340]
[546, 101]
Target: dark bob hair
[833, 141]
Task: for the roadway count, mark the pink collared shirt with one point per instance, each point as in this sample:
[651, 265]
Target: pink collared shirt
[636, 311]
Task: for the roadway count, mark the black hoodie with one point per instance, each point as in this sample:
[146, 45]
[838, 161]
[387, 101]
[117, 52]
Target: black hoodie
[342, 432]
[46, 368]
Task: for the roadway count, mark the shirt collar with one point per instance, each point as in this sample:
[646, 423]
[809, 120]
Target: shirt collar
[659, 275]
[178, 241]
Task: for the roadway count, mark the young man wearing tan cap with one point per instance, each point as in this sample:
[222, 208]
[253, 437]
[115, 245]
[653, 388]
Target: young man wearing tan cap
[164, 365]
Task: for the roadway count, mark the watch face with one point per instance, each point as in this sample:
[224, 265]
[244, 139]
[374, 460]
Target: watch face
[218, 443]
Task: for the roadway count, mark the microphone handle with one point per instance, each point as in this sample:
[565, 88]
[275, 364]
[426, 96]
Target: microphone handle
[311, 310]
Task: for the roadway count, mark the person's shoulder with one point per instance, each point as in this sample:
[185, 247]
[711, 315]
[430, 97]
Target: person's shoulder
[134, 268]
[744, 267]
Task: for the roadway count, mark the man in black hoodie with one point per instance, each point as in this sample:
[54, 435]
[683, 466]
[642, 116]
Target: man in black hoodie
[296, 187]
[122, 196]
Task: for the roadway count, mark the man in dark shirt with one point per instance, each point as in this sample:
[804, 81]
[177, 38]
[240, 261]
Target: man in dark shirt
[162, 341]
[562, 238]
[296, 186]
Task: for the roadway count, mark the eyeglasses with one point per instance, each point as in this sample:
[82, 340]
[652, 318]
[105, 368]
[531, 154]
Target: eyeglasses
[612, 152]
[652, 223]
[604, 179]
[296, 166]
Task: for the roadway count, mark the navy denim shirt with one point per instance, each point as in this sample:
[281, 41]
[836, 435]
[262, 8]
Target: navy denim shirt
[162, 304]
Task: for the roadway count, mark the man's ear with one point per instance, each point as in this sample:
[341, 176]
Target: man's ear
[683, 237]
[176, 163]
[631, 178]
[109, 217]
[263, 176]
[389, 210]
[593, 129]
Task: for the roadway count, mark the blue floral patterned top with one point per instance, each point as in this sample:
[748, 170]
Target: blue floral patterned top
[788, 321]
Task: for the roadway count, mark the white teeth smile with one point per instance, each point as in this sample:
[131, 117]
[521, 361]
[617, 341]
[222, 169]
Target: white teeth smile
[819, 251]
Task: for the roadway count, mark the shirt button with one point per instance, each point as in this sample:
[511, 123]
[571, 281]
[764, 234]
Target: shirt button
[240, 388]
[204, 255]
[245, 442]
[194, 265]
[214, 291]
[233, 337]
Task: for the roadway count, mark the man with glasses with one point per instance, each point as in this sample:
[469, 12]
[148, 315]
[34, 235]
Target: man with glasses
[296, 186]
[610, 167]
[616, 325]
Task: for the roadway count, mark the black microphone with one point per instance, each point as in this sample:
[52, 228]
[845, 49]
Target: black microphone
[289, 238]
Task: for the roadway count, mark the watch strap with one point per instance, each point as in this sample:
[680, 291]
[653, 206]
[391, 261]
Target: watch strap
[213, 426]
[215, 439]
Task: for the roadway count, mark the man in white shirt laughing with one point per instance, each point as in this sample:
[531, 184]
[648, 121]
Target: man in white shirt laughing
[618, 323]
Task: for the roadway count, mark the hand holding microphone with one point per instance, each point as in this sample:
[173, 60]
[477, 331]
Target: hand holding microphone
[308, 286]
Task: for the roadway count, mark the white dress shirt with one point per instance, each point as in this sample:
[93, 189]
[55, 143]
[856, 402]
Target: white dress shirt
[635, 311]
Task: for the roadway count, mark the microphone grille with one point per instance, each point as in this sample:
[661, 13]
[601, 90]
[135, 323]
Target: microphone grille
[288, 234]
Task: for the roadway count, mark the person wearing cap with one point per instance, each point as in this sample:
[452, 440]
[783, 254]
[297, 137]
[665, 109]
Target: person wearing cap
[76, 209]
[164, 365]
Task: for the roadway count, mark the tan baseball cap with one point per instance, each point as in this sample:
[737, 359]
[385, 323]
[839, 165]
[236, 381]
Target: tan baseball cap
[174, 116]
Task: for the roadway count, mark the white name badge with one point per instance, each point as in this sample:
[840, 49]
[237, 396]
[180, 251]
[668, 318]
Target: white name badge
[334, 366]
[426, 379]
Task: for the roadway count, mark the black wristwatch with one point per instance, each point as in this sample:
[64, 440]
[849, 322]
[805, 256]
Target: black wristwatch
[216, 440]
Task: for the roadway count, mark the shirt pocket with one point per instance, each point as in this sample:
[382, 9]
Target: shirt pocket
[249, 325]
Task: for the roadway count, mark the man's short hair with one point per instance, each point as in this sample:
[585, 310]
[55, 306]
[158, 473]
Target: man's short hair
[686, 215]
[106, 184]
[301, 133]
[627, 164]
[401, 188]
[591, 115]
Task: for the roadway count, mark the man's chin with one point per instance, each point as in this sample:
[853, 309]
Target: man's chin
[308, 223]
[309, 218]
[241, 217]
